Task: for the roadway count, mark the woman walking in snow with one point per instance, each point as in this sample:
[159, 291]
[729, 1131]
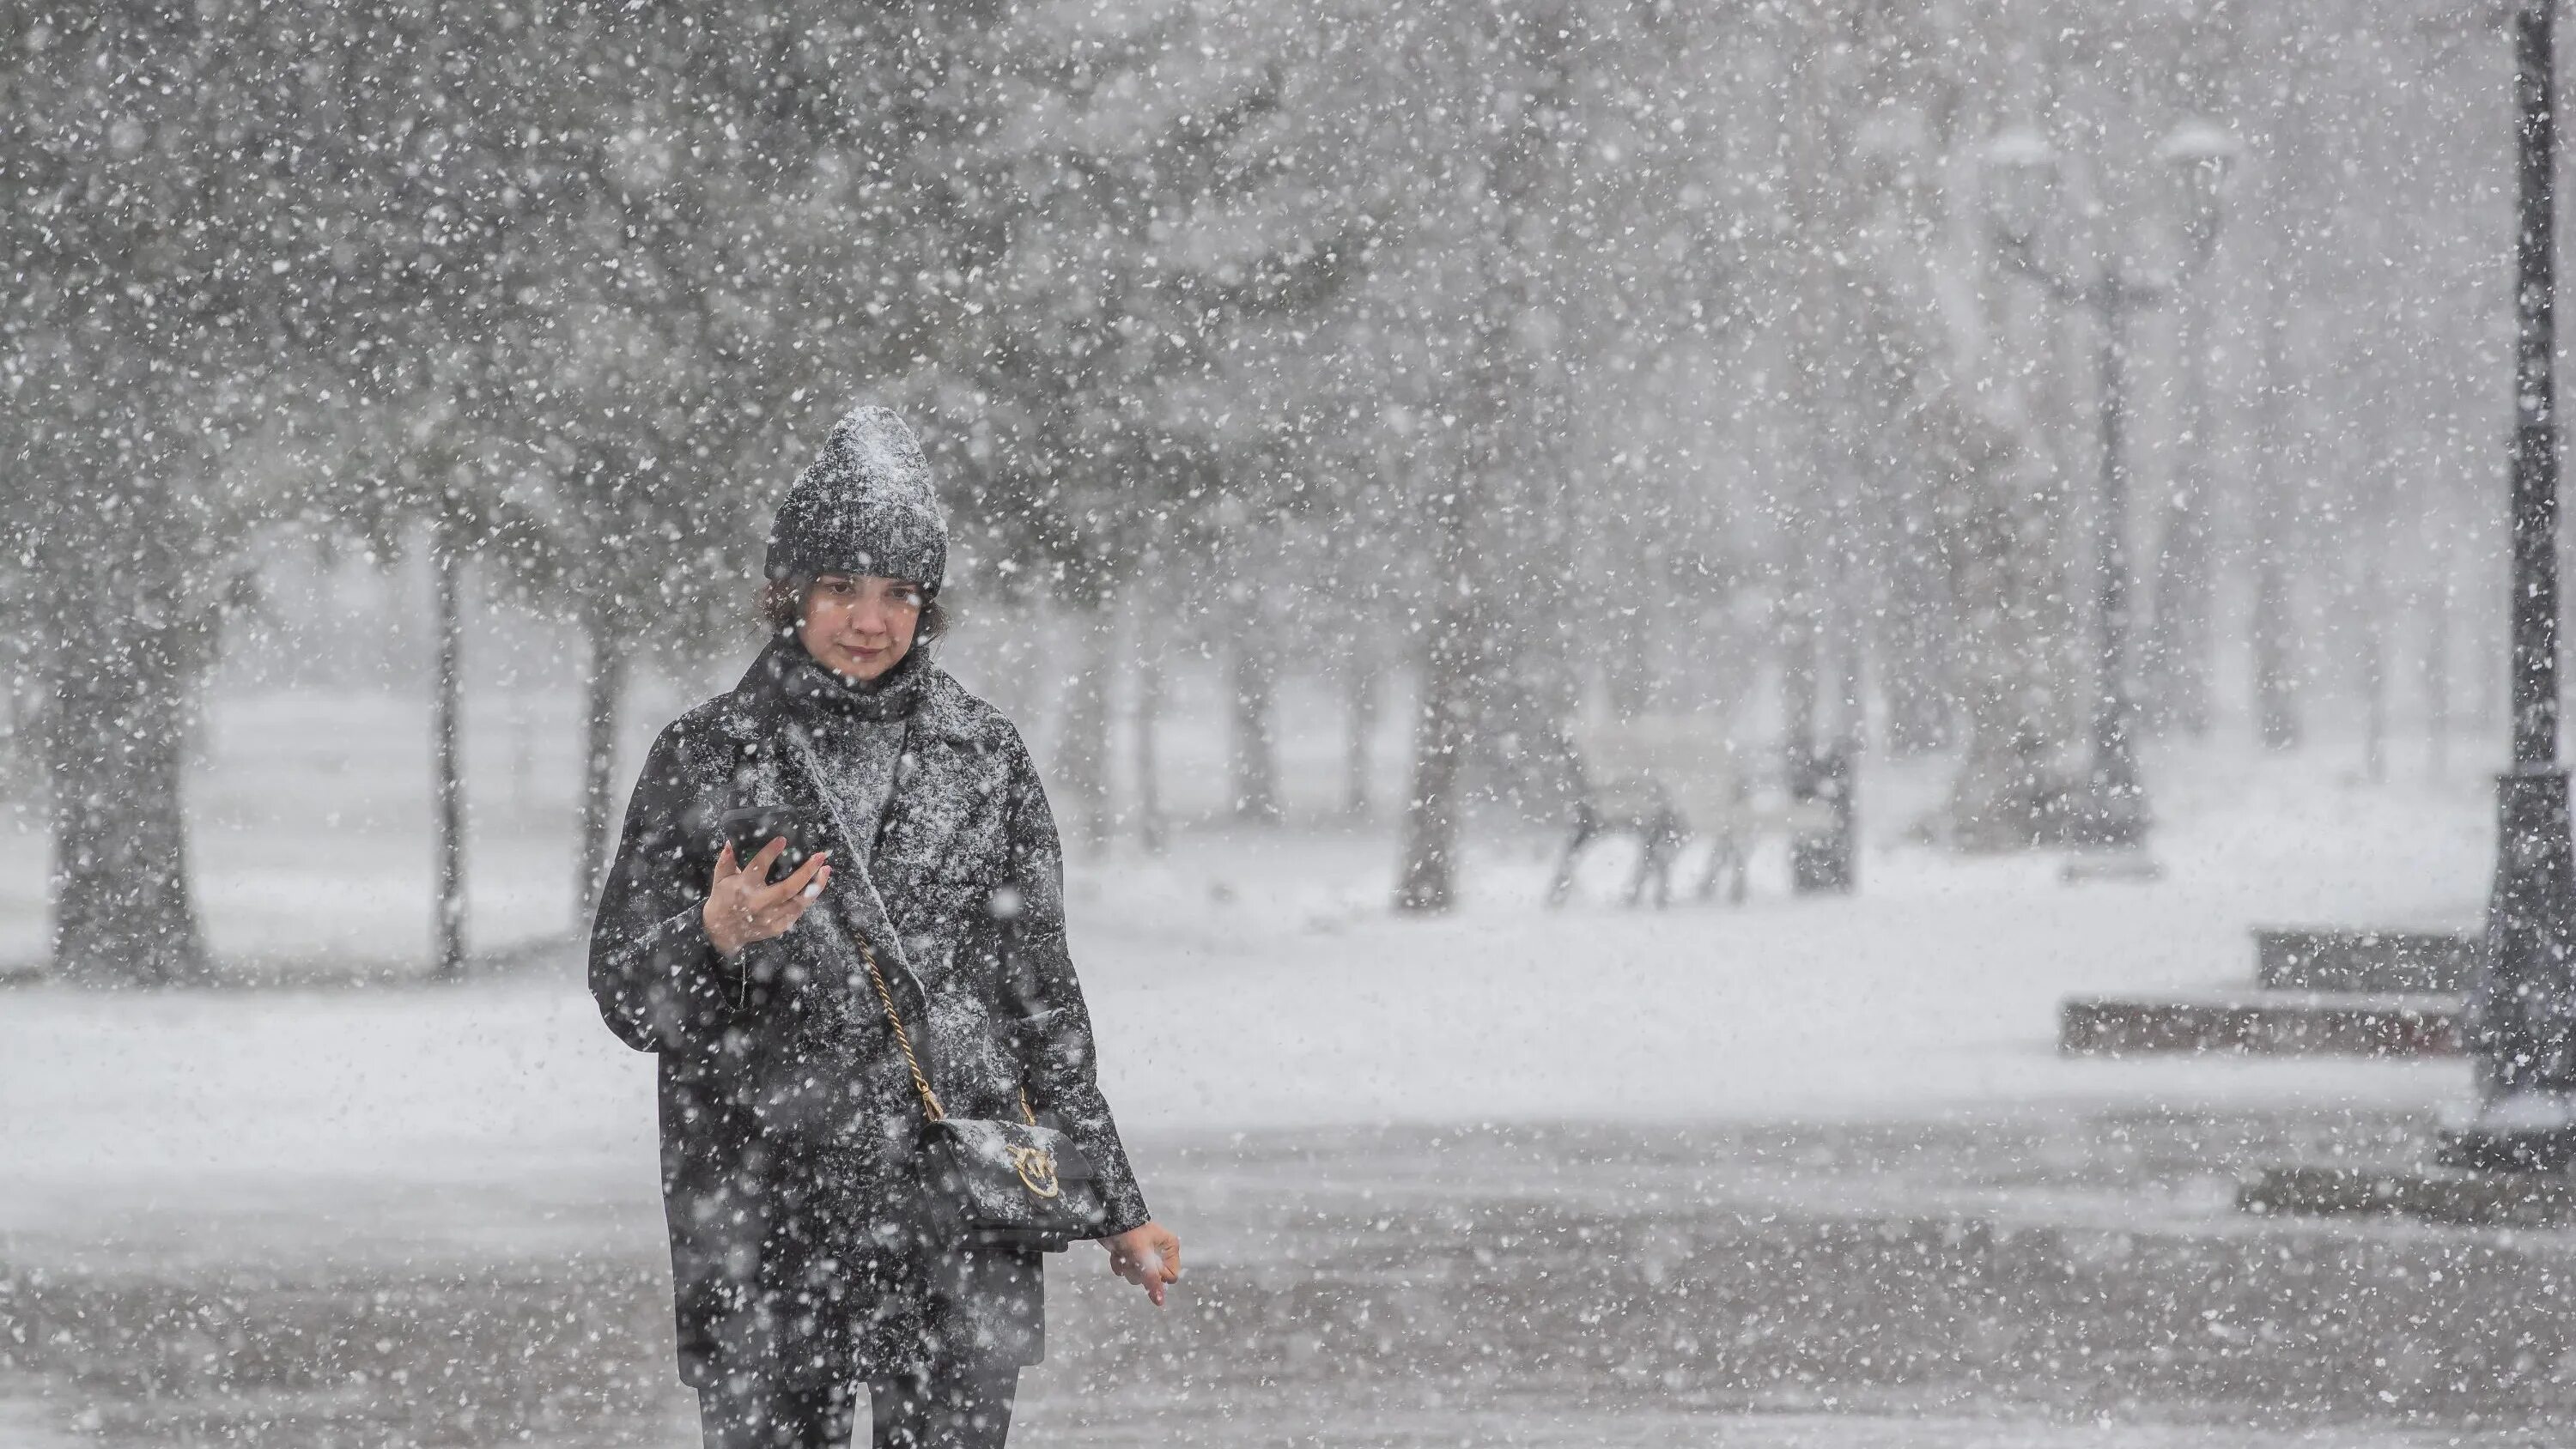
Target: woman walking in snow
[790, 1119]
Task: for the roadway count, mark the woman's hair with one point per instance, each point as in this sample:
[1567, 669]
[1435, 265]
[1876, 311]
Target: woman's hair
[782, 600]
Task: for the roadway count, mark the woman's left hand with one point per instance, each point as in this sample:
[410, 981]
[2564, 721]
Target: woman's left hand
[1148, 1257]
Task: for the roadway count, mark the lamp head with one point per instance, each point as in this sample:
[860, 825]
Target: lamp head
[2202, 155]
[2020, 183]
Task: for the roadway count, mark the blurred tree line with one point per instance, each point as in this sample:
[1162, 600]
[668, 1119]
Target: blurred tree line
[1555, 350]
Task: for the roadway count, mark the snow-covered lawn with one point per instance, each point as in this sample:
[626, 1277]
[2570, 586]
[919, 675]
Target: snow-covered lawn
[1247, 980]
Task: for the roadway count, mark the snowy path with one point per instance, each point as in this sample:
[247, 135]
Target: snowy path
[2040, 1280]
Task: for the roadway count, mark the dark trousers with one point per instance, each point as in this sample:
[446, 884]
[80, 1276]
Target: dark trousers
[948, 1408]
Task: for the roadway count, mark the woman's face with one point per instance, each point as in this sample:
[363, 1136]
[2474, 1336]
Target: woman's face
[859, 625]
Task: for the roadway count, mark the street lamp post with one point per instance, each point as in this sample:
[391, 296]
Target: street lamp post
[2522, 1013]
[2199, 155]
[2021, 178]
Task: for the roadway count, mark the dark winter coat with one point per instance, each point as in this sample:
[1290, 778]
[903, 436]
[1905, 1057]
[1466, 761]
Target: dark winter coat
[788, 1121]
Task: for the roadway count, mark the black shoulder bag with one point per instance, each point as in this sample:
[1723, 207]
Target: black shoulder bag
[989, 1182]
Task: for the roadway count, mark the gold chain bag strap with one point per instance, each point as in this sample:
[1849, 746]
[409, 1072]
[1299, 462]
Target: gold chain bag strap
[986, 1182]
[991, 1182]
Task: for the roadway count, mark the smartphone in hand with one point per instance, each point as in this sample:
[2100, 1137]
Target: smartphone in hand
[751, 828]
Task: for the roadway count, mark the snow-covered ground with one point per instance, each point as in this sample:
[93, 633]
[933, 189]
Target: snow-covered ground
[1782, 1066]
[1243, 980]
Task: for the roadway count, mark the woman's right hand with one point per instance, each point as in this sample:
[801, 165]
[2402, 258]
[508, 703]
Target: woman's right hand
[742, 907]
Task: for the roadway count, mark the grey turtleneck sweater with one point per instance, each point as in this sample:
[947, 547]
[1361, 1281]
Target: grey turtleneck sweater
[857, 730]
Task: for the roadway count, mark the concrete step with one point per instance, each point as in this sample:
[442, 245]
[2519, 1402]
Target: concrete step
[2309, 959]
[2431, 1195]
[2265, 1023]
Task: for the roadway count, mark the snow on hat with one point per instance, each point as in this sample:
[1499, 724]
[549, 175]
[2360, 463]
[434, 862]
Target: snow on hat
[866, 506]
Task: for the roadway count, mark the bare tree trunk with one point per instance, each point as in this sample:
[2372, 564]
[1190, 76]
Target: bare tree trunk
[447, 786]
[24, 681]
[2276, 687]
[2437, 676]
[2374, 673]
[523, 763]
[1845, 633]
[1452, 648]
[1914, 671]
[1082, 751]
[1801, 649]
[1496, 391]
[2379, 604]
[1431, 812]
[1362, 684]
[1812, 354]
[603, 693]
[1152, 684]
[124, 912]
[1253, 755]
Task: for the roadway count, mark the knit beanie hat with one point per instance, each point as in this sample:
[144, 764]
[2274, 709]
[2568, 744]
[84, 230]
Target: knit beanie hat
[866, 506]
